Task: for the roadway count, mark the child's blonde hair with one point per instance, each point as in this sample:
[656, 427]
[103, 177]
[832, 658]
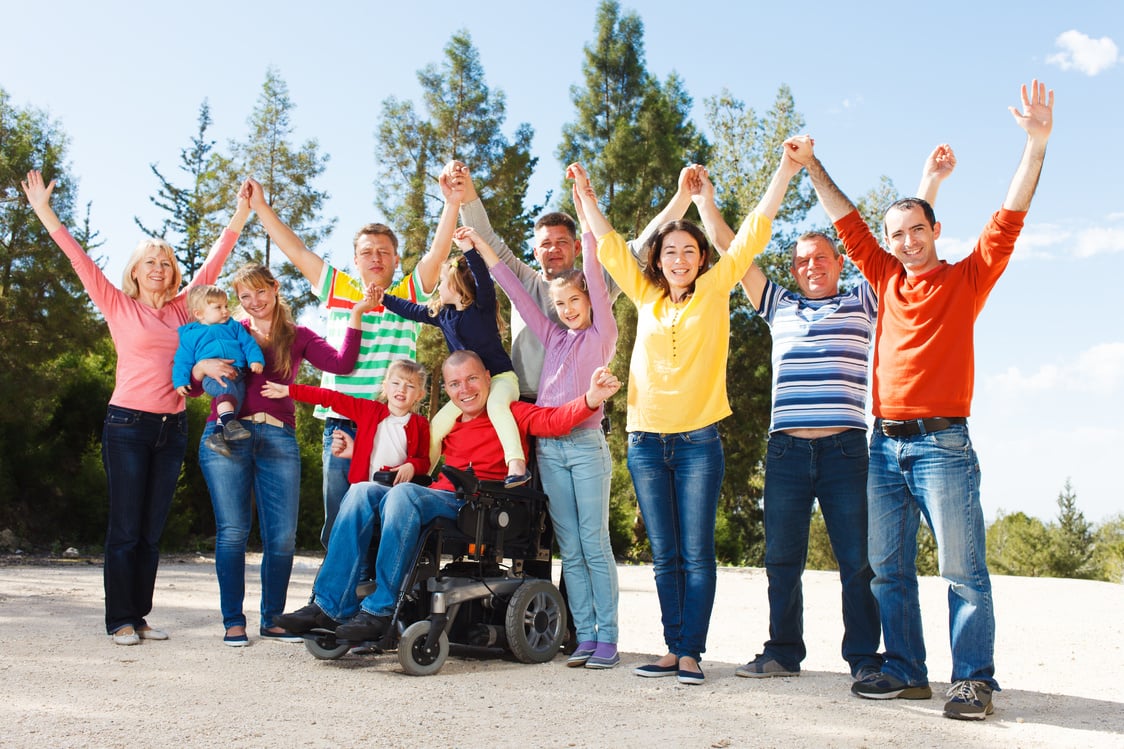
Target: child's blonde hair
[198, 297]
[407, 368]
[460, 278]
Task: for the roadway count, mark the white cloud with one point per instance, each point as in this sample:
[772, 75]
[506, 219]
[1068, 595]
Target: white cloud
[1099, 240]
[1083, 53]
[1098, 370]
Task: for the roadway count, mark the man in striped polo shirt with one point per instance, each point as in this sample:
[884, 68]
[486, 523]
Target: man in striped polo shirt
[386, 336]
[817, 447]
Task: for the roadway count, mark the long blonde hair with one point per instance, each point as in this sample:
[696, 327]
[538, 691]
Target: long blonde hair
[282, 328]
[129, 284]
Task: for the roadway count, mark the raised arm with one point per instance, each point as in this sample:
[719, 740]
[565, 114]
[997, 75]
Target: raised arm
[429, 267]
[702, 194]
[771, 201]
[308, 262]
[835, 204]
[39, 197]
[598, 224]
[1037, 119]
[473, 214]
[938, 167]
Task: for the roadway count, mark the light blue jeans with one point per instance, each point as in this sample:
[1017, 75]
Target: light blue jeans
[403, 511]
[335, 470]
[937, 475]
[575, 472]
[677, 478]
[263, 470]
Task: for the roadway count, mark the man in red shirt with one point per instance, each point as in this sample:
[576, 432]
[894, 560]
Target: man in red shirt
[403, 510]
[921, 457]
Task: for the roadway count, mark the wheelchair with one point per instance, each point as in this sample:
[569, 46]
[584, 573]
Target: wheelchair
[482, 580]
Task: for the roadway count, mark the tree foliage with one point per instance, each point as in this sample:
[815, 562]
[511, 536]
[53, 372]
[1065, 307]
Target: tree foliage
[193, 218]
[287, 173]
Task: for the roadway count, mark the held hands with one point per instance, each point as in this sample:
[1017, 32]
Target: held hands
[940, 164]
[602, 385]
[183, 390]
[452, 189]
[701, 188]
[799, 148]
[372, 298]
[458, 178]
[1037, 115]
[254, 194]
[275, 390]
[257, 367]
[466, 238]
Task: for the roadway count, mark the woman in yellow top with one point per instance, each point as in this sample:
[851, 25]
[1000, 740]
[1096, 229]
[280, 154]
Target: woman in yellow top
[676, 396]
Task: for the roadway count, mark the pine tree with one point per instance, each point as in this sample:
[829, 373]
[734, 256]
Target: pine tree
[287, 173]
[1071, 539]
[194, 213]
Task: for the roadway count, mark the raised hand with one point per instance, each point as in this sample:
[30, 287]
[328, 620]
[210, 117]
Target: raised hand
[702, 189]
[466, 238]
[1037, 114]
[38, 194]
[458, 178]
[255, 194]
[940, 164]
[602, 386]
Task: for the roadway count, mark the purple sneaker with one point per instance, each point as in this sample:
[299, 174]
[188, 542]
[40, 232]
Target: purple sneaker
[606, 656]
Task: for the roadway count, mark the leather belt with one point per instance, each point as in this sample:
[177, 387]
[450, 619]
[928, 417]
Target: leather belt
[261, 417]
[914, 427]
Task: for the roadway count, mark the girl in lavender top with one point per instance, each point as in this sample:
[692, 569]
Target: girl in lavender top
[575, 469]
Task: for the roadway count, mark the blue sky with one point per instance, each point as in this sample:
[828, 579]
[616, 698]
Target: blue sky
[878, 88]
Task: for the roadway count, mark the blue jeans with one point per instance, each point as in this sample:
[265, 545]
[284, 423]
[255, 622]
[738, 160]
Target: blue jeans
[357, 521]
[937, 475]
[403, 511]
[336, 483]
[677, 478]
[142, 453]
[798, 472]
[575, 472]
[264, 470]
[234, 391]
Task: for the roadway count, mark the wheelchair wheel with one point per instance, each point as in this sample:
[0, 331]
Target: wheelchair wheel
[325, 647]
[412, 653]
[536, 621]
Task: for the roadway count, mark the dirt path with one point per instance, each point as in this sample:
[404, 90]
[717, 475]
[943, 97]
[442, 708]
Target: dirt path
[1060, 658]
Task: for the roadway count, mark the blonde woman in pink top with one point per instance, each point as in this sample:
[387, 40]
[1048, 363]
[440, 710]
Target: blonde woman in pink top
[145, 432]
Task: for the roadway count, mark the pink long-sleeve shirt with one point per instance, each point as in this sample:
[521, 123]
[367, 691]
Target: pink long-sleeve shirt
[145, 338]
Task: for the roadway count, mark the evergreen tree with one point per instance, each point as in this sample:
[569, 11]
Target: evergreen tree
[1018, 545]
[193, 212]
[287, 173]
[1071, 539]
[462, 119]
[633, 134]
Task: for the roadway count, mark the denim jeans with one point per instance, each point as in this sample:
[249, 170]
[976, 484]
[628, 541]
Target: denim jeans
[264, 470]
[937, 475]
[575, 472]
[336, 483]
[798, 472]
[403, 511]
[142, 453]
[677, 478]
[356, 524]
[234, 391]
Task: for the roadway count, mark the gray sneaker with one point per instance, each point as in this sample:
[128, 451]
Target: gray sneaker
[968, 700]
[763, 667]
[882, 686]
[234, 431]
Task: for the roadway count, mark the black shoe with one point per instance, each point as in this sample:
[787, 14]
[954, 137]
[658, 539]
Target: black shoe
[362, 627]
[305, 619]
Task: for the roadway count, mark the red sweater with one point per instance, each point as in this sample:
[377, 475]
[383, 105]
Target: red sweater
[367, 414]
[924, 355]
[475, 443]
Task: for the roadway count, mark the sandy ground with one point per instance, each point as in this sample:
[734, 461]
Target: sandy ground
[1060, 658]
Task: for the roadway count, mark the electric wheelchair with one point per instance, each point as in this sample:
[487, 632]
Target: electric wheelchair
[481, 580]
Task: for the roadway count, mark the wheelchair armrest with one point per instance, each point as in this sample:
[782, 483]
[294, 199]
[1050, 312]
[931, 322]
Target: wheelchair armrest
[387, 478]
[465, 481]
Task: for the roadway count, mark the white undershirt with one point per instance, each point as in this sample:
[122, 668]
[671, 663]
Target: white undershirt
[390, 444]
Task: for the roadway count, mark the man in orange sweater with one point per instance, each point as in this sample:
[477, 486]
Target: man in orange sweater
[921, 457]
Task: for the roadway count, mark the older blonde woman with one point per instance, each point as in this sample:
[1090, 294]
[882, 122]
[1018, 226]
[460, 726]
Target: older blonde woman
[145, 434]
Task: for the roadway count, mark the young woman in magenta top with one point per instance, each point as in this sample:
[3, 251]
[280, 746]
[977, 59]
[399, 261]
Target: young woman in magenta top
[145, 433]
[676, 396]
[265, 468]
